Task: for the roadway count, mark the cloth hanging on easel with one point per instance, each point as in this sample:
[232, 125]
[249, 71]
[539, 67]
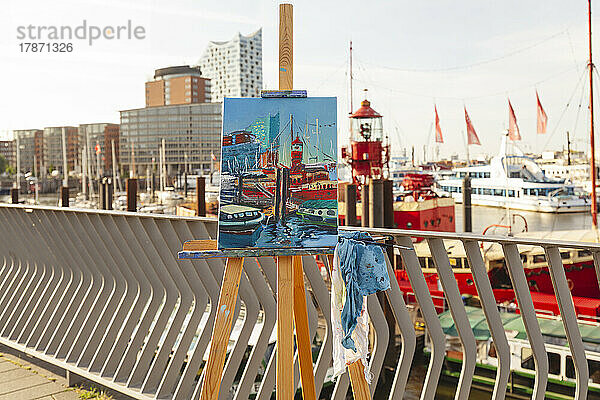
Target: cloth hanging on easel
[359, 269]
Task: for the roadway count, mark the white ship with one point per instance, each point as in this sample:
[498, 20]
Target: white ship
[514, 181]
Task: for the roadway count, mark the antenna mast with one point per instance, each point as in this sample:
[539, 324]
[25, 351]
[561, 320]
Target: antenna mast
[592, 144]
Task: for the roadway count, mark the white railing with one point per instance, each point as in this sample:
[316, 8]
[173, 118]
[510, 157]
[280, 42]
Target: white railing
[103, 296]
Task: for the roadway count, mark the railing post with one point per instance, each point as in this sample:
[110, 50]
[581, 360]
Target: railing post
[131, 194]
[201, 196]
[14, 195]
[350, 204]
[64, 196]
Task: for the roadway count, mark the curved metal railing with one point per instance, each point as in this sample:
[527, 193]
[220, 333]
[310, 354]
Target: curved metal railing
[102, 295]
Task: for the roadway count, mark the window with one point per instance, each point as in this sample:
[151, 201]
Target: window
[554, 363]
[527, 361]
[565, 255]
[539, 258]
[593, 366]
[584, 253]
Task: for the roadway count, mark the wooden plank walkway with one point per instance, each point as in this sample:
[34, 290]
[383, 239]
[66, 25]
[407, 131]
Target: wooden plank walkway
[20, 380]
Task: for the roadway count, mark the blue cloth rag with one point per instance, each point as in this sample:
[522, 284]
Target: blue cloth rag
[364, 271]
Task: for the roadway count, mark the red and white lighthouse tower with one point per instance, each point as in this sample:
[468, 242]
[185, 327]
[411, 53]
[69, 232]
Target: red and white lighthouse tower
[369, 148]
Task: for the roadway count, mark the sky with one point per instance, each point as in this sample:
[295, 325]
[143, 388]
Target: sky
[409, 55]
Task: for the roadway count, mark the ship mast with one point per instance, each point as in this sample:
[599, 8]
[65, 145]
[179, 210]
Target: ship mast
[351, 78]
[592, 144]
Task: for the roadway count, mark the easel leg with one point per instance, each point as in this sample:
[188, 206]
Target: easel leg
[360, 387]
[285, 329]
[222, 329]
[302, 332]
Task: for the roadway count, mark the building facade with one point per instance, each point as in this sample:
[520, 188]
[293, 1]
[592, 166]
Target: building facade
[53, 154]
[192, 136]
[31, 149]
[234, 67]
[93, 138]
[177, 85]
[7, 150]
[111, 134]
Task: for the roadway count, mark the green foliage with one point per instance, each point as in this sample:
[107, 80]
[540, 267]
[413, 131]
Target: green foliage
[3, 164]
[93, 393]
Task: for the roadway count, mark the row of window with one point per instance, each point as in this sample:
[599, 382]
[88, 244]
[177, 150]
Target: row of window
[479, 174]
[482, 191]
[511, 192]
[545, 191]
[554, 361]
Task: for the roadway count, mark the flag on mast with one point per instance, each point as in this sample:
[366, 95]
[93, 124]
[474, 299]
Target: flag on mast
[513, 128]
[471, 134]
[438, 130]
[542, 118]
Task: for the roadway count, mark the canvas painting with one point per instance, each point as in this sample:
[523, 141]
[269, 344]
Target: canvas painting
[278, 173]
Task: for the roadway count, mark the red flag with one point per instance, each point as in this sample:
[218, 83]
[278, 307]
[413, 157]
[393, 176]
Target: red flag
[513, 128]
[471, 135]
[438, 130]
[542, 118]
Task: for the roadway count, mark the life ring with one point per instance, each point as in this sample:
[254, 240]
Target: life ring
[571, 284]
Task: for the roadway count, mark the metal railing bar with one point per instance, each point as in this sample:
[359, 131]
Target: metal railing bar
[92, 321]
[98, 349]
[434, 328]
[408, 335]
[139, 288]
[42, 289]
[62, 279]
[459, 315]
[210, 288]
[137, 374]
[532, 327]
[313, 274]
[204, 269]
[569, 320]
[120, 363]
[382, 338]
[492, 316]
[161, 359]
[200, 300]
[73, 296]
[10, 276]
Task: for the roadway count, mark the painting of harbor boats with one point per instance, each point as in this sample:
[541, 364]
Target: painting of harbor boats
[278, 173]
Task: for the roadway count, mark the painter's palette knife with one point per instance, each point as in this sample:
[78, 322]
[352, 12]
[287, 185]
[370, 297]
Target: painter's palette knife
[278, 173]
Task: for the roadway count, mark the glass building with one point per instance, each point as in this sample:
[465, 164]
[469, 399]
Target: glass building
[192, 134]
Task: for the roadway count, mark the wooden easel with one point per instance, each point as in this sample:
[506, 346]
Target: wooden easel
[291, 297]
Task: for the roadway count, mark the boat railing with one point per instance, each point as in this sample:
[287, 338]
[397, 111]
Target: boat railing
[102, 295]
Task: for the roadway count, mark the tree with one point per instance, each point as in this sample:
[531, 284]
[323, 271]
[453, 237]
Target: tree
[3, 164]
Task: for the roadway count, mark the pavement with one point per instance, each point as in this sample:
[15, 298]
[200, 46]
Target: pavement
[21, 380]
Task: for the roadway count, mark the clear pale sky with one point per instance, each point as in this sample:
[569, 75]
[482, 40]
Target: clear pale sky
[409, 55]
